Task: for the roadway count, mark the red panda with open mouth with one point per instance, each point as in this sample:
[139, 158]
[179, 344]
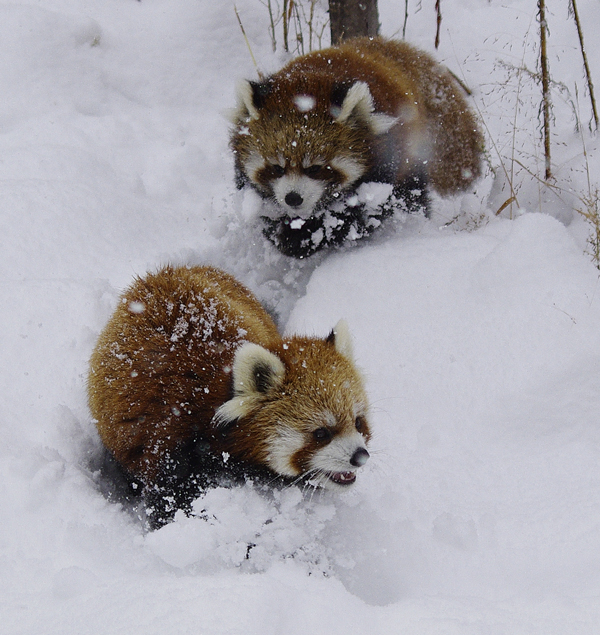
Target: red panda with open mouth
[367, 110]
[190, 375]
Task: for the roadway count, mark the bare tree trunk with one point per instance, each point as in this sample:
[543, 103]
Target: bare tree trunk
[545, 87]
[350, 18]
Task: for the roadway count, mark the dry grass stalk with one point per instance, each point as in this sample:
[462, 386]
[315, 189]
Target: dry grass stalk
[272, 26]
[237, 15]
[591, 212]
[591, 200]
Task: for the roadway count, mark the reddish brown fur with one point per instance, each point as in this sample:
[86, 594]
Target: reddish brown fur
[457, 142]
[144, 370]
[162, 367]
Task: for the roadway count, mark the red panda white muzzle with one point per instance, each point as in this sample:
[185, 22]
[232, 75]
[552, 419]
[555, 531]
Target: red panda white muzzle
[336, 464]
[298, 194]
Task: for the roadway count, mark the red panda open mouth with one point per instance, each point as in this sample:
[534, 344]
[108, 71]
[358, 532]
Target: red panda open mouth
[342, 478]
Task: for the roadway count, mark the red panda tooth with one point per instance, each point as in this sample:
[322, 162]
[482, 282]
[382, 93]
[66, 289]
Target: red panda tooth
[343, 478]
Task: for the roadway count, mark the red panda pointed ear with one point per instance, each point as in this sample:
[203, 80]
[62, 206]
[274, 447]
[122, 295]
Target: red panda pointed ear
[339, 91]
[251, 98]
[358, 106]
[255, 372]
[342, 340]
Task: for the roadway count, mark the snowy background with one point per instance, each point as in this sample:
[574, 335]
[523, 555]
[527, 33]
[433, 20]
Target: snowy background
[478, 333]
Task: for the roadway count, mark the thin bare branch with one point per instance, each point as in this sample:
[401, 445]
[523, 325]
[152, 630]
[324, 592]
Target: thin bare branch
[438, 11]
[585, 61]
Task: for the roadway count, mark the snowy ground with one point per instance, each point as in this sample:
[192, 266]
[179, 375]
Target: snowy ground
[479, 512]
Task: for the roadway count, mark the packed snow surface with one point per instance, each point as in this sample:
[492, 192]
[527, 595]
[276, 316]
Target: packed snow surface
[478, 334]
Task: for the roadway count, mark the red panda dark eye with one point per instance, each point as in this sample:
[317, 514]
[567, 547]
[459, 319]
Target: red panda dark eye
[276, 171]
[322, 434]
[313, 170]
[359, 423]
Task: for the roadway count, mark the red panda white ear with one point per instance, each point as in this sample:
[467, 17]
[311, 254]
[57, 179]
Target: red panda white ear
[342, 340]
[358, 104]
[255, 372]
[250, 98]
[245, 102]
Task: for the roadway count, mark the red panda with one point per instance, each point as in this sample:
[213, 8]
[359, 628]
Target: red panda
[191, 373]
[369, 109]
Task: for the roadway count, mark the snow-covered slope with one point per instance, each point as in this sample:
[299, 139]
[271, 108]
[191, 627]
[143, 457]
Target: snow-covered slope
[478, 334]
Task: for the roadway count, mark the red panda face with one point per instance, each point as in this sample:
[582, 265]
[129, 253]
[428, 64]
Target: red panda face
[299, 147]
[298, 166]
[302, 412]
[325, 448]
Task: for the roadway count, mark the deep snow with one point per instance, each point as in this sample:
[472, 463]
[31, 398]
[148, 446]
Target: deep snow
[479, 511]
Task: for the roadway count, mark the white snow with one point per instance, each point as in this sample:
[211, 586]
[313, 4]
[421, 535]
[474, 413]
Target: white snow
[305, 103]
[479, 337]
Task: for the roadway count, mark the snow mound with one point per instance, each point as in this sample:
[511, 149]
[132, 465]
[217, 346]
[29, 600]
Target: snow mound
[244, 528]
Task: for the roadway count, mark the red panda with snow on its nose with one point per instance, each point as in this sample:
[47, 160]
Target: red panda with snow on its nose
[191, 375]
[368, 110]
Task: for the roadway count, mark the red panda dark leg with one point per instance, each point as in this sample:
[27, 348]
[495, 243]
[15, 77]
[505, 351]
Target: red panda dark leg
[413, 195]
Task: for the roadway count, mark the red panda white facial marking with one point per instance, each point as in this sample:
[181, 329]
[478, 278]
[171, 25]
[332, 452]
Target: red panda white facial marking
[298, 193]
[253, 164]
[338, 460]
[283, 445]
[350, 168]
[326, 449]
[299, 190]
[335, 452]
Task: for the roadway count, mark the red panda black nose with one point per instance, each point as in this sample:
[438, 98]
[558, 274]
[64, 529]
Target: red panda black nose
[359, 458]
[293, 199]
